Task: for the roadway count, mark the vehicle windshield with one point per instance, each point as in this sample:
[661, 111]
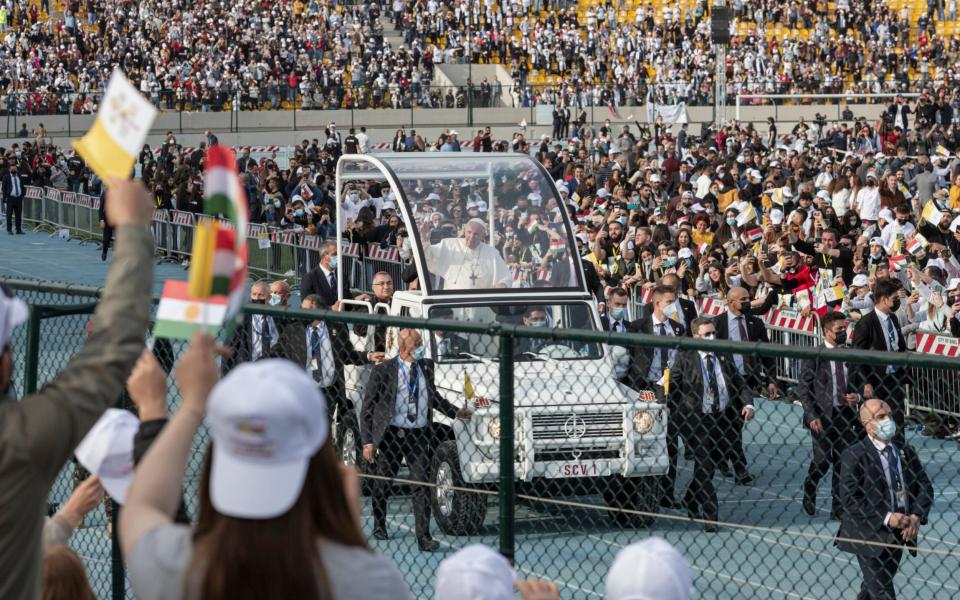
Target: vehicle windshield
[489, 224]
[464, 347]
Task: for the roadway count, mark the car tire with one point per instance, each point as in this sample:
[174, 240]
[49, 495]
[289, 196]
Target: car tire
[640, 494]
[457, 512]
[350, 450]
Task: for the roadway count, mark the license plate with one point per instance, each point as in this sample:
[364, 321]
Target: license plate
[574, 469]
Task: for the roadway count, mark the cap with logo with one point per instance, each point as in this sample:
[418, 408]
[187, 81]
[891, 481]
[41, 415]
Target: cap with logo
[267, 419]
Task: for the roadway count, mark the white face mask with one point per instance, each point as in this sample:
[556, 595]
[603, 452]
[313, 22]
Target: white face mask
[670, 310]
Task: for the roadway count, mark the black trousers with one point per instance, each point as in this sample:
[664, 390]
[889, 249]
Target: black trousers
[414, 446]
[840, 430]
[878, 573]
[14, 211]
[676, 429]
[107, 238]
[712, 436]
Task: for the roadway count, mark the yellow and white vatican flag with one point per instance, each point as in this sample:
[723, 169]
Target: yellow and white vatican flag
[119, 130]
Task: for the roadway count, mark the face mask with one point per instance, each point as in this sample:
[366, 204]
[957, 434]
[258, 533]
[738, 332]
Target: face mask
[419, 352]
[731, 222]
[710, 336]
[670, 310]
[901, 221]
[841, 338]
[259, 301]
[275, 299]
[647, 263]
[618, 313]
[333, 262]
[508, 235]
[538, 323]
[298, 212]
[886, 429]
[709, 211]
[276, 203]
[622, 221]
[670, 262]
[896, 305]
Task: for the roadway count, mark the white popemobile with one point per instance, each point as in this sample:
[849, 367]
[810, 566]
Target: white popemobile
[577, 431]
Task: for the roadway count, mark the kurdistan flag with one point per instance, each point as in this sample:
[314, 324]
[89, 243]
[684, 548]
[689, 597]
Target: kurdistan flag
[179, 315]
[225, 196]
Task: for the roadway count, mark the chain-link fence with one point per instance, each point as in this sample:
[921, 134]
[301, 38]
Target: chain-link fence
[579, 444]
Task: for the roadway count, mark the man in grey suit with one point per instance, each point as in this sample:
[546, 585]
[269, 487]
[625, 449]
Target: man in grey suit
[395, 424]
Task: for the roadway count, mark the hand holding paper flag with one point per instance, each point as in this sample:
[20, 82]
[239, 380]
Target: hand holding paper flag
[917, 245]
[898, 263]
[748, 214]
[114, 140]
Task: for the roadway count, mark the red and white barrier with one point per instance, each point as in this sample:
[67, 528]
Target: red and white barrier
[792, 320]
[711, 307]
[377, 252]
[941, 345]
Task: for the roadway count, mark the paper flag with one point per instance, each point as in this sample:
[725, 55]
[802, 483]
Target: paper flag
[931, 214]
[115, 139]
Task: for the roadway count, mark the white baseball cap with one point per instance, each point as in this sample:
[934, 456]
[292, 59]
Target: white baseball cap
[887, 215]
[649, 570]
[953, 284]
[776, 216]
[824, 194]
[684, 253]
[474, 573]
[603, 193]
[875, 241]
[267, 420]
[107, 451]
[860, 281]
[13, 312]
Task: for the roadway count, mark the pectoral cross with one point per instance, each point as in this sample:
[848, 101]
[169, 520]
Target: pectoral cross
[473, 277]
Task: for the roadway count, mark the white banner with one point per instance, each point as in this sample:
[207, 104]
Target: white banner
[670, 113]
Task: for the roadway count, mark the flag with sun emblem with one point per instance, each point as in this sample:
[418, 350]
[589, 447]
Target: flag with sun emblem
[180, 315]
[114, 140]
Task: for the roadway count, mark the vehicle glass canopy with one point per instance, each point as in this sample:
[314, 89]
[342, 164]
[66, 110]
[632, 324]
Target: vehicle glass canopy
[479, 222]
[466, 347]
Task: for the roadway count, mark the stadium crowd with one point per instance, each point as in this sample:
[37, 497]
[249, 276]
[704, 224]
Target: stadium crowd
[318, 55]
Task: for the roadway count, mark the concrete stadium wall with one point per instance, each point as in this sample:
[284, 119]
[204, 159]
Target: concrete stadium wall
[279, 128]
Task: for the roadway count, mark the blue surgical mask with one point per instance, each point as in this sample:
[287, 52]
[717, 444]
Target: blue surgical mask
[618, 313]
[622, 220]
[731, 221]
[670, 262]
[298, 212]
[333, 262]
[538, 323]
[419, 352]
[275, 299]
[886, 429]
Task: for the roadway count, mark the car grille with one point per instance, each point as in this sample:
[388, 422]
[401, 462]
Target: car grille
[574, 427]
[555, 455]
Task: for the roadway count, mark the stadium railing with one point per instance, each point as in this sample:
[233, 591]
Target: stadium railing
[560, 465]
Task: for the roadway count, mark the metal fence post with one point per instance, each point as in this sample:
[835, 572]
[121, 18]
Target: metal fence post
[118, 572]
[32, 359]
[506, 496]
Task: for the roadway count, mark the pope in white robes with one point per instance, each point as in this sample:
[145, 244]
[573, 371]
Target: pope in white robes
[468, 263]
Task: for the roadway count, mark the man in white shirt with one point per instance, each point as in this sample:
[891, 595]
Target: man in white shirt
[901, 226]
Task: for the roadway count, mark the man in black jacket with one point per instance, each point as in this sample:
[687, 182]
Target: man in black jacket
[395, 425]
[686, 308]
[323, 279]
[13, 192]
[880, 330]
[322, 349]
[829, 412]
[709, 395]
[885, 496]
[646, 372]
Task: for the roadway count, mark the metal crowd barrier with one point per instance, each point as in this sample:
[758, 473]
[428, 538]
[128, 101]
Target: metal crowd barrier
[937, 390]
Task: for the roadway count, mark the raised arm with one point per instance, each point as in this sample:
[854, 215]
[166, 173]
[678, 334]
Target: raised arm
[45, 428]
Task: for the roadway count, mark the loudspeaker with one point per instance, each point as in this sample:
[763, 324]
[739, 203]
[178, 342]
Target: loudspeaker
[720, 25]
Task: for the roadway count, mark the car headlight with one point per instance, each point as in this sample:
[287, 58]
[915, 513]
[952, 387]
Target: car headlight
[493, 428]
[643, 422]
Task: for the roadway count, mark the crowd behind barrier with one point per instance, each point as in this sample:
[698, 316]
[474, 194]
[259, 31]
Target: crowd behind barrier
[289, 254]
